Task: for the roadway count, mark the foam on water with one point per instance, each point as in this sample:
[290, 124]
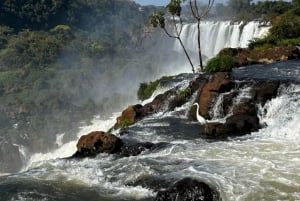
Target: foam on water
[68, 149]
[282, 115]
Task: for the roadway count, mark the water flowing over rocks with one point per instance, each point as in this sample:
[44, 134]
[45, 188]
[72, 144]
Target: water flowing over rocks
[240, 99]
[217, 83]
[188, 189]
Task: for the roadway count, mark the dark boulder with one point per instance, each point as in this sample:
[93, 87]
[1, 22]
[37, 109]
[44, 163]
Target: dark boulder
[217, 130]
[135, 149]
[188, 189]
[265, 90]
[159, 103]
[242, 124]
[97, 142]
[235, 125]
[245, 106]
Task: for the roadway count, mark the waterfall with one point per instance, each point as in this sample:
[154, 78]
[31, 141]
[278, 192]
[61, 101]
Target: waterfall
[216, 35]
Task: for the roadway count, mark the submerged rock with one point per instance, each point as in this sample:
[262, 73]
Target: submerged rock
[188, 189]
[97, 142]
[135, 149]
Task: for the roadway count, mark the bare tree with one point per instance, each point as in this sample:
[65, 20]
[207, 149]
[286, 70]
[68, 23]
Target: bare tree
[174, 8]
[199, 16]
[158, 19]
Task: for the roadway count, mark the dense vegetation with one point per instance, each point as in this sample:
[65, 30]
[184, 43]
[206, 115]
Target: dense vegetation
[52, 55]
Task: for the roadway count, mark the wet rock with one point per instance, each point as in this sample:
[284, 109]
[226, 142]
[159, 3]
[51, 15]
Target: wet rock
[218, 83]
[265, 90]
[135, 149]
[97, 142]
[188, 189]
[245, 106]
[217, 130]
[129, 116]
[235, 125]
[159, 103]
[242, 124]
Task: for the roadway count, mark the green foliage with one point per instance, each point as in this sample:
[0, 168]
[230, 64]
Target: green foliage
[51, 55]
[187, 92]
[285, 32]
[125, 123]
[220, 63]
[174, 7]
[146, 90]
[157, 19]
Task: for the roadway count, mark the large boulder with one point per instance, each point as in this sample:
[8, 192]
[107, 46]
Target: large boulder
[235, 125]
[188, 189]
[218, 83]
[97, 142]
[129, 116]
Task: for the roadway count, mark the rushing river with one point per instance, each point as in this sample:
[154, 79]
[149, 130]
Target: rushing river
[260, 166]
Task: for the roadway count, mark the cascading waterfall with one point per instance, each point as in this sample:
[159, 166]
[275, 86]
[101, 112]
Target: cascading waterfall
[260, 166]
[215, 35]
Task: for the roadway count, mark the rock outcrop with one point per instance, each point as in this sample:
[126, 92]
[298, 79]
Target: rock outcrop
[270, 55]
[129, 116]
[188, 189]
[241, 110]
[218, 83]
[97, 142]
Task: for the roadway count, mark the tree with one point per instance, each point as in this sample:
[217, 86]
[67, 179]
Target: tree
[158, 19]
[198, 16]
[174, 8]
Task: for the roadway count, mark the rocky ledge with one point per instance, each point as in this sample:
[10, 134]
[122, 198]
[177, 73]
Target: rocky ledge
[246, 56]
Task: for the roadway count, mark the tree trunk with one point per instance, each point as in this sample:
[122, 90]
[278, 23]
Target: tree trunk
[199, 46]
[187, 55]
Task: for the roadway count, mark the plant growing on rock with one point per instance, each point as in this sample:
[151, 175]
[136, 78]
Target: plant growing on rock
[220, 63]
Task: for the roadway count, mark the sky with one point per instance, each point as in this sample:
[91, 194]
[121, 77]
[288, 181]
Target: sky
[165, 2]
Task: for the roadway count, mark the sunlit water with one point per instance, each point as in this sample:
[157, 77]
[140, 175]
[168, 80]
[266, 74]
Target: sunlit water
[261, 166]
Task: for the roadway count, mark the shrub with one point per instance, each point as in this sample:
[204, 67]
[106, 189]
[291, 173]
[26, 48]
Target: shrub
[146, 89]
[220, 63]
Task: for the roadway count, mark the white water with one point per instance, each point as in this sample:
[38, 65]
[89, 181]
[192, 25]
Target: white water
[68, 149]
[260, 166]
[217, 35]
